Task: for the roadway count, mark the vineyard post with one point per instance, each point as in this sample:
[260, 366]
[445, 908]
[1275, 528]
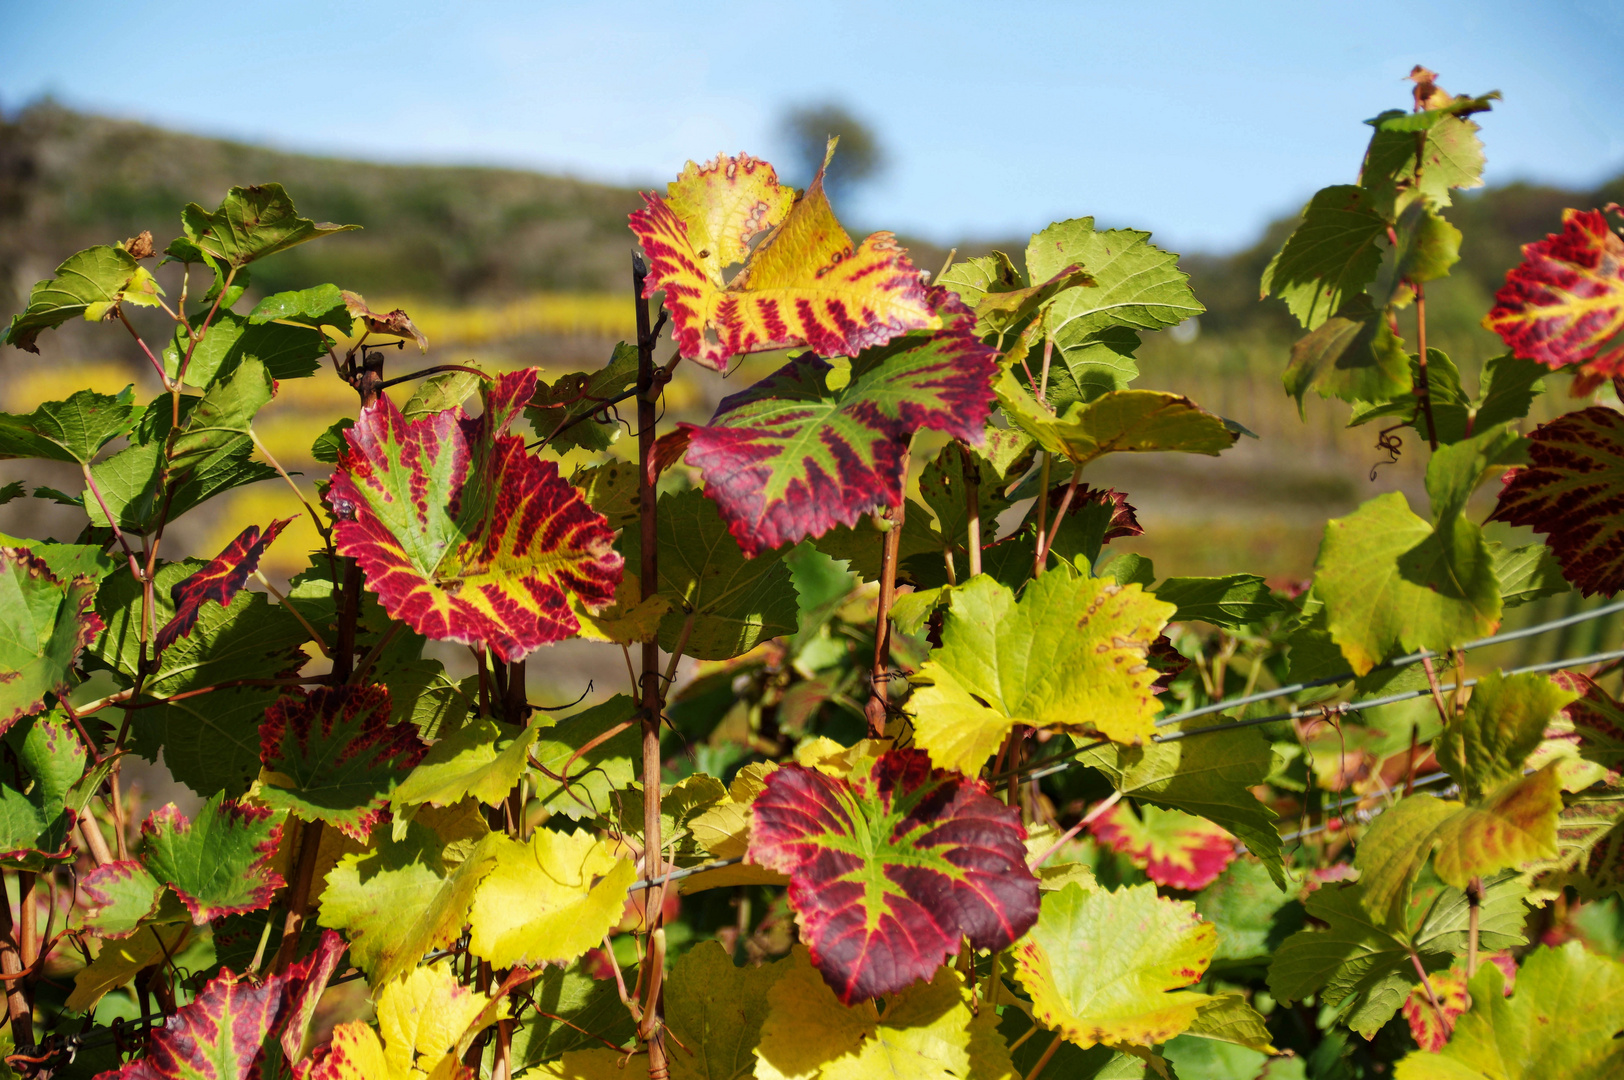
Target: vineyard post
[649, 681]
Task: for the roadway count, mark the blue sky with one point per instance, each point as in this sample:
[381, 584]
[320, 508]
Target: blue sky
[1201, 121]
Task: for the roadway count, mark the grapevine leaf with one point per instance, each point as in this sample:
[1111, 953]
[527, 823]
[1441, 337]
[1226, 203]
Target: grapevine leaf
[45, 623]
[219, 864]
[1561, 1021]
[1431, 1026]
[1002, 300]
[1211, 776]
[1526, 574]
[219, 580]
[478, 759]
[464, 535]
[1330, 257]
[1121, 421]
[394, 323]
[1095, 984]
[1136, 287]
[547, 901]
[211, 742]
[1451, 157]
[72, 430]
[804, 283]
[1172, 848]
[402, 900]
[1506, 392]
[1572, 489]
[1354, 356]
[119, 961]
[251, 223]
[585, 1007]
[1068, 656]
[318, 306]
[1565, 300]
[120, 896]
[566, 407]
[1385, 577]
[287, 351]
[1427, 247]
[1232, 602]
[217, 427]
[442, 392]
[89, 284]
[889, 870]
[944, 484]
[35, 820]
[582, 764]
[333, 756]
[1516, 824]
[735, 601]
[629, 619]
[790, 458]
[14, 490]
[1251, 913]
[1504, 721]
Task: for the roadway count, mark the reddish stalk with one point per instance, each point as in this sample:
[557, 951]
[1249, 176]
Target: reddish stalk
[874, 710]
[19, 1009]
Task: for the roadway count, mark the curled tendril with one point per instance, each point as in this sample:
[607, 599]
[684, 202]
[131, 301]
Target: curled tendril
[1391, 445]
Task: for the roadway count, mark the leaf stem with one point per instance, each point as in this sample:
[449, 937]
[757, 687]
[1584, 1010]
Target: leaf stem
[1088, 819]
[1423, 389]
[1474, 904]
[874, 710]
[1047, 541]
[1432, 996]
[90, 482]
[1054, 1045]
[972, 508]
[1043, 515]
[159, 368]
[1043, 380]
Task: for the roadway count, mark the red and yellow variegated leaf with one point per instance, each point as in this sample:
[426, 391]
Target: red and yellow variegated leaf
[1566, 299]
[465, 535]
[219, 864]
[1431, 1030]
[891, 869]
[1597, 722]
[1572, 489]
[805, 284]
[789, 458]
[335, 757]
[219, 581]
[1173, 848]
[239, 1026]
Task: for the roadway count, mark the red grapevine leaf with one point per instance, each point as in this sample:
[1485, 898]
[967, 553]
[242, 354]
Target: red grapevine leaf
[1566, 298]
[1450, 989]
[889, 870]
[218, 865]
[229, 1032]
[219, 580]
[1572, 489]
[805, 284]
[338, 755]
[462, 533]
[1175, 849]
[790, 458]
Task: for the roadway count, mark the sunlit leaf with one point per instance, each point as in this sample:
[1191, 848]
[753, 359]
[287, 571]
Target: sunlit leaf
[332, 755]
[1572, 489]
[1172, 848]
[37, 814]
[1068, 656]
[251, 223]
[288, 352]
[1504, 721]
[119, 961]
[72, 430]
[1431, 1026]
[218, 863]
[478, 759]
[1122, 421]
[547, 901]
[804, 283]
[791, 458]
[462, 533]
[218, 580]
[1451, 156]
[1565, 300]
[1231, 601]
[1330, 257]
[568, 404]
[45, 623]
[87, 285]
[891, 869]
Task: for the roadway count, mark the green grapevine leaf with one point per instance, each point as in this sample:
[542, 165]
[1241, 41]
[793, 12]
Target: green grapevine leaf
[45, 623]
[71, 430]
[1504, 721]
[89, 284]
[1232, 601]
[286, 350]
[1332, 255]
[251, 223]
[218, 864]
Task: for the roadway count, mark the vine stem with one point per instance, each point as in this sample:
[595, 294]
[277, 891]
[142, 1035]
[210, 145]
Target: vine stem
[972, 509]
[652, 1027]
[1054, 1045]
[1432, 996]
[1474, 901]
[874, 709]
[1423, 388]
[159, 368]
[1047, 541]
[1043, 512]
[1088, 819]
[18, 1008]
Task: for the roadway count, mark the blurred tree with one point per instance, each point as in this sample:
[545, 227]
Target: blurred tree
[806, 129]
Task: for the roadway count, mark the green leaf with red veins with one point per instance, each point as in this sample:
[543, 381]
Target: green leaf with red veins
[804, 284]
[334, 756]
[218, 580]
[1173, 848]
[889, 871]
[219, 864]
[1565, 300]
[790, 458]
[239, 1025]
[463, 534]
[45, 623]
[1572, 489]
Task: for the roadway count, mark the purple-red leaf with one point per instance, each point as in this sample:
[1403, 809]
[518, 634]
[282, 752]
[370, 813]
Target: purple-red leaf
[465, 535]
[1566, 299]
[1572, 489]
[1173, 848]
[218, 581]
[239, 1027]
[335, 755]
[790, 458]
[219, 864]
[889, 871]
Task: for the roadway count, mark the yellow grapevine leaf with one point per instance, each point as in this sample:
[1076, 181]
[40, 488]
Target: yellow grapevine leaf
[723, 831]
[548, 901]
[1107, 967]
[1514, 825]
[804, 284]
[119, 960]
[626, 620]
[1068, 656]
[425, 1022]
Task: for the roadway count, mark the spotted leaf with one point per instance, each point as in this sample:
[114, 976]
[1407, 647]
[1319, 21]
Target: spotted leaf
[890, 869]
[1432, 1026]
[804, 284]
[1173, 848]
[462, 533]
[218, 580]
[334, 756]
[1565, 300]
[790, 458]
[219, 864]
[1572, 489]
